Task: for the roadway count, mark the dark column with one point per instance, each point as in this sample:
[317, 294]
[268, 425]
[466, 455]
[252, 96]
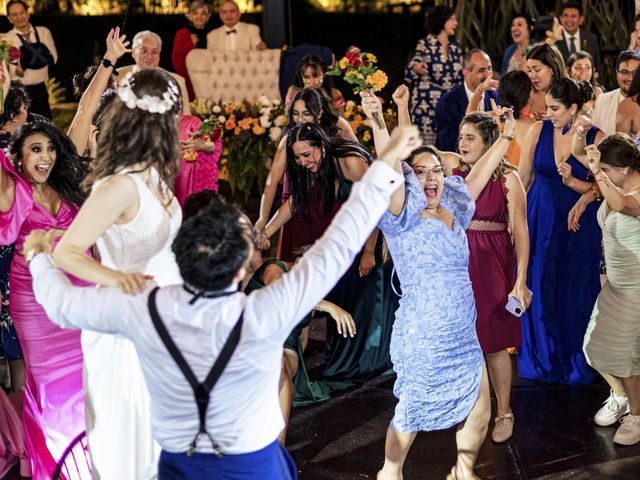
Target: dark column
[274, 22]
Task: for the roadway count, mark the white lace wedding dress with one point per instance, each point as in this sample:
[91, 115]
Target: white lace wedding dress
[117, 401]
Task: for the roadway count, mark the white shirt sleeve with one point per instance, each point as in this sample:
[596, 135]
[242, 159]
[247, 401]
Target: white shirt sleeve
[278, 307]
[255, 37]
[105, 310]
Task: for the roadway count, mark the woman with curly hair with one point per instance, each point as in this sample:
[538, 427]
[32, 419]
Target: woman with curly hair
[132, 216]
[41, 189]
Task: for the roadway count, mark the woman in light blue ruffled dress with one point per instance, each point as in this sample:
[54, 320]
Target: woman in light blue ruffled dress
[442, 380]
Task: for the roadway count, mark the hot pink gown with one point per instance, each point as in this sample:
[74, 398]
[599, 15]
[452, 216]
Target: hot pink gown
[53, 407]
[12, 449]
[200, 174]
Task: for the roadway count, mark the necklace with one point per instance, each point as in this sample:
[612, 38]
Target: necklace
[434, 210]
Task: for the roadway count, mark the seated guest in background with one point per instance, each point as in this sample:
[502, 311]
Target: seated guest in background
[580, 68]
[576, 39]
[38, 52]
[605, 110]
[311, 74]
[237, 432]
[547, 30]
[146, 47]
[521, 29]
[452, 106]
[194, 35]
[233, 34]
[634, 38]
[628, 118]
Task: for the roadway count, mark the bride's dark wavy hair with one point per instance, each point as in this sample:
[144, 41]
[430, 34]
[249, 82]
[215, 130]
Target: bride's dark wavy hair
[333, 148]
[129, 136]
[320, 107]
[69, 169]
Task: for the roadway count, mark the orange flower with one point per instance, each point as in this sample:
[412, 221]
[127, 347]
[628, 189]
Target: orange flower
[258, 130]
[237, 131]
[229, 109]
[245, 123]
[230, 124]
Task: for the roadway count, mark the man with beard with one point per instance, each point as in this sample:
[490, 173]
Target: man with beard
[605, 109]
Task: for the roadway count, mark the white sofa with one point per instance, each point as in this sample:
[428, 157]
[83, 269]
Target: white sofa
[234, 76]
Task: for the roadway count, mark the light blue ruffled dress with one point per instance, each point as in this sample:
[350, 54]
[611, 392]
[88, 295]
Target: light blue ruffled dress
[434, 345]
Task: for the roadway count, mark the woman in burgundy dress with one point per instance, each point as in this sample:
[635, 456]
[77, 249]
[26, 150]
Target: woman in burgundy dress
[499, 223]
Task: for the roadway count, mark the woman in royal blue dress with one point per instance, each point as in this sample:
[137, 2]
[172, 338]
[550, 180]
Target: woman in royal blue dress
[441, 375]
[564, 272]
[436, 66]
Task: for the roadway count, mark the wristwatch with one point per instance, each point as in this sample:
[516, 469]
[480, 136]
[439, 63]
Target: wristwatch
[506, 137]
[106, 63]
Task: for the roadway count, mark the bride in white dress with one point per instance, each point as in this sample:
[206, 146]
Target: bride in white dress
[132, 217]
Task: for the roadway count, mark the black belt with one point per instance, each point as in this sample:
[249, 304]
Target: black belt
[201, 390]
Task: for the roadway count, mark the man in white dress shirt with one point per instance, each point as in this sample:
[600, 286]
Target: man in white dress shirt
[605, 109]
[234, 35]
[241, 424]
[31, 42]
[145, 50]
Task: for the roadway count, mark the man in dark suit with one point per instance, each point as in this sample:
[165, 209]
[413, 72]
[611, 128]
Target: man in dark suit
[576, 39]
[450, 110]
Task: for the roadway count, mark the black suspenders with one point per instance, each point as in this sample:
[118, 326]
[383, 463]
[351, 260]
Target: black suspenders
[201, 390]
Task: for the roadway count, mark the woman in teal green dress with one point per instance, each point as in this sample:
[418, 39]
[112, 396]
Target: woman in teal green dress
[296, 389]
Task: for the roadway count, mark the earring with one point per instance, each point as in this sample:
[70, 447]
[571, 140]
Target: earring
[625, 171]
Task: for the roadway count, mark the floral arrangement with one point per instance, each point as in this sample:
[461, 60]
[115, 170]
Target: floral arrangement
[211, 129]
[250, 132]
[359, 69]
[8, 53]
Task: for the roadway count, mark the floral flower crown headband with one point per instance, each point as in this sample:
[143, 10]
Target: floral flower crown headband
[148, 103]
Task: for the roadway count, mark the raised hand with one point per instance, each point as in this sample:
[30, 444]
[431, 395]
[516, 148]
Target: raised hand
[402, 142]
[370, 103]
[505, 114]
[583, 124]
[401, 96]
[488, 84]
[593, 158]
[117, 45]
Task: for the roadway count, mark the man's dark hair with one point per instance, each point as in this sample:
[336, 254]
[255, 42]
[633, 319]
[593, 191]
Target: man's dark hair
[200, 200]
[212, 246]
[575, 5]
[626, 55]
[20, 2]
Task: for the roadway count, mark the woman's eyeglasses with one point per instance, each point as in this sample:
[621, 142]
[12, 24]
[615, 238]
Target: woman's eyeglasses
[423, 173]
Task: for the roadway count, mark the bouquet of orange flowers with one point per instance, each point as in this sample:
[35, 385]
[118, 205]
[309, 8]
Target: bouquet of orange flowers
[9, 53]
[360, 70]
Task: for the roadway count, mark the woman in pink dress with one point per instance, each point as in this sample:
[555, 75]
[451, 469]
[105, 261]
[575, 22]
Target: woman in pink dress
[41, 190]
[198, 168]
[12, 449]
[499, 223]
